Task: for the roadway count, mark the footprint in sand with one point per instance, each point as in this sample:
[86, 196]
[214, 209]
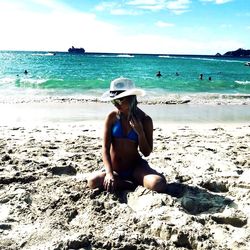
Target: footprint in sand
[235, 220]
[67, 170]
[214, 186]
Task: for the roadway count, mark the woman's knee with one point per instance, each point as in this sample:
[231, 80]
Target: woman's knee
[91, 182]
[94, 181]
[156, 183]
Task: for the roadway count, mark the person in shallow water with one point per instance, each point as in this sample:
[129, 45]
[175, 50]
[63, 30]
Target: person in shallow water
[127, 131]
[158, 74]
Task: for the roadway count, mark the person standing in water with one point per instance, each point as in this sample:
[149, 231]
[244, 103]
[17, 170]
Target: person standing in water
[158, 74]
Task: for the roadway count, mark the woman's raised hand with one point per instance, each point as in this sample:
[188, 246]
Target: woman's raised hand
[136, 124]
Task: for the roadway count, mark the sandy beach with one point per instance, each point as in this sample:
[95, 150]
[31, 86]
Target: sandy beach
[45, 204]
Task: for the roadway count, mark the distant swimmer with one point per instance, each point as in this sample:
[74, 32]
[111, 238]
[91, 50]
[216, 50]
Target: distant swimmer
[210, 78]
[201, 77]
[158, 74]
[25, 72]
[177, 74]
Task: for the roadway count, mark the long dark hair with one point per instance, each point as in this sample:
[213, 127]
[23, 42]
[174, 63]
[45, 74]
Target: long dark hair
[132, 105]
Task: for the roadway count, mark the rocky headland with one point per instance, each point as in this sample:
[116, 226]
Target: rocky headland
[236, 53]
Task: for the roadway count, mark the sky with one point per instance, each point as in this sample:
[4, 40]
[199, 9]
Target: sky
[126, 26]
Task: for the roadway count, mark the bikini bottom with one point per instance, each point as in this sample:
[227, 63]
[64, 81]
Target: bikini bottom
[128, 174]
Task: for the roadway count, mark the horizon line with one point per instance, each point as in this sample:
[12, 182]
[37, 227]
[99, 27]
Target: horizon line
[124, 53]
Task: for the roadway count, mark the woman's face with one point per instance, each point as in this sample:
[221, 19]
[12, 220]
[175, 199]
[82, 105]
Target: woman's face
[122, 104]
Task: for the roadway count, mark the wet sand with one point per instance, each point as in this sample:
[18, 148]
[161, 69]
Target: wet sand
[51, 112]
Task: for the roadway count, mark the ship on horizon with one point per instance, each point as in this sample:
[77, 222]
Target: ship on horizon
[74, 50]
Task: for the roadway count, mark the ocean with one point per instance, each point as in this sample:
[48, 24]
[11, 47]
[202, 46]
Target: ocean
[67, 77]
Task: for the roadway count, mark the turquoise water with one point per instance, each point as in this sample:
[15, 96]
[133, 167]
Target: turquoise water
[86, 76]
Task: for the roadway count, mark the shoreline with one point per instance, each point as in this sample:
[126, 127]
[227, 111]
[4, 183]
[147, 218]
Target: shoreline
[91, 111]
[151, 98]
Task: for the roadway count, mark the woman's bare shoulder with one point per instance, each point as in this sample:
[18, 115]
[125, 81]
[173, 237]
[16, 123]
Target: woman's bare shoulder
[111, 117]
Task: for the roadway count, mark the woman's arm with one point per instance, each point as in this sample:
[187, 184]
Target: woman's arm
[144, 130]
[109, 178]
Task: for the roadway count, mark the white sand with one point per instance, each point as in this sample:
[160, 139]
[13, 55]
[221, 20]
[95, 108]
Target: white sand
[44, 202]
[42, 113]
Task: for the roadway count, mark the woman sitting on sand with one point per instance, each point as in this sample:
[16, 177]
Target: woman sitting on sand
[126, 130]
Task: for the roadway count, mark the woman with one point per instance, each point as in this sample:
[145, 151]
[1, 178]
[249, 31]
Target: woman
[126, 130]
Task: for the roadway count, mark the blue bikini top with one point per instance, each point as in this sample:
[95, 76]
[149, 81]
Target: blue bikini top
[117, 132]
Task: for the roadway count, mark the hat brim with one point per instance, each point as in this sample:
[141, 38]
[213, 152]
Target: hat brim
[106, 96]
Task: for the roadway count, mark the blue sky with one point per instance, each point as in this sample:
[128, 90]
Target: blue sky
[128, 26]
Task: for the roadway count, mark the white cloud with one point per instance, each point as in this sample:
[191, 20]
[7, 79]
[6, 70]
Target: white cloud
[162, 24]
[123, 12]
[174, 6]
[222, 1]
[106, 6]
[115, 8]
[124, 8]
[62, 27]
[145, 2]
[217, 1]
[46, 3]
[166, 45]
[151, 7]
[178, 4]
[57, 29]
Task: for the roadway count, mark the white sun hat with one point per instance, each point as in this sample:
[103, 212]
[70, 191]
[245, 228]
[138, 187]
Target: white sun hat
[121, 87]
